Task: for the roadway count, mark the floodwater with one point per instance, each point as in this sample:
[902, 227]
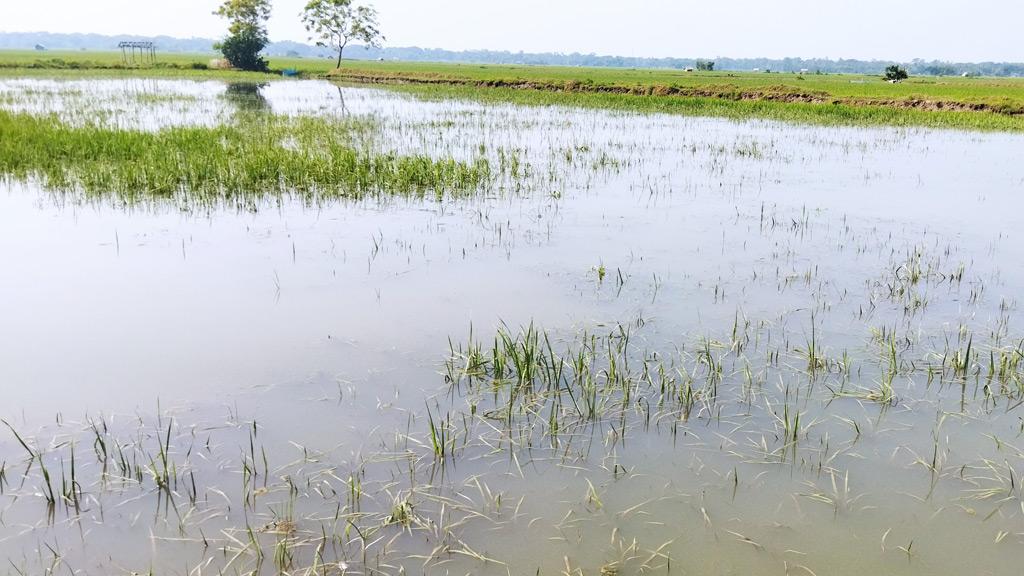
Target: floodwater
[253, 391]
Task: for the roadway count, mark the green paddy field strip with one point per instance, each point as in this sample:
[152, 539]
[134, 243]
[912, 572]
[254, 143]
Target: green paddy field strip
[842, 99]
[255, 155]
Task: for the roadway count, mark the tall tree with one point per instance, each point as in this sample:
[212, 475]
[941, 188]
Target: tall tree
[335, 23]
[247, 33]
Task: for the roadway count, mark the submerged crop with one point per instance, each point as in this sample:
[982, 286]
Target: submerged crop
[254, 155]
[748, 347]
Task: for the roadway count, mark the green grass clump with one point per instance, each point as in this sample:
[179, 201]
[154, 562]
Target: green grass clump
[253, 156]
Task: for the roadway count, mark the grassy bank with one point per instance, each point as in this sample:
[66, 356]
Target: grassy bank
[253, 156]
[828, 86]
[800, 113]
[967, 103]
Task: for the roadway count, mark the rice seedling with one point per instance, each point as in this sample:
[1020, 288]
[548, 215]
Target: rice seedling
[239, 163]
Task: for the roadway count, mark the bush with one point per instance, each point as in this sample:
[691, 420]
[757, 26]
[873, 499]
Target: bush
[243, 49]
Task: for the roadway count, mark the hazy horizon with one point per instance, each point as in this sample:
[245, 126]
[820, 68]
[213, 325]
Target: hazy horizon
[866, 29]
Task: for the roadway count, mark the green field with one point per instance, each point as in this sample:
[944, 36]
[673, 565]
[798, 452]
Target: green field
[112, 60]
[951, 89]
[59, 62]
[943, 102]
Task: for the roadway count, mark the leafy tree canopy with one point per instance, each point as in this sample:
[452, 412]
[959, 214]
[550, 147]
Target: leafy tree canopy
[335, 23]
[247, 33]
[895, 73]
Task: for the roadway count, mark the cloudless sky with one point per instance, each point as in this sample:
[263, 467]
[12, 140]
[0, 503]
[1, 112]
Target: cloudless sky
[958, 30]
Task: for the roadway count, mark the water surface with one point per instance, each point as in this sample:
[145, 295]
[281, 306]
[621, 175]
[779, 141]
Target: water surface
[294, 351]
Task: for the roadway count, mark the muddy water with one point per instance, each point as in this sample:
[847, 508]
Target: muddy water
[294, 351]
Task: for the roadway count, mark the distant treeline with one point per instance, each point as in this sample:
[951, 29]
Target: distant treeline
[50, 41]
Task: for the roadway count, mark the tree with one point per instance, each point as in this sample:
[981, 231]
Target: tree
[247, 33]
[895, 73]
[705, 65]
[243, 49]
[335, 23]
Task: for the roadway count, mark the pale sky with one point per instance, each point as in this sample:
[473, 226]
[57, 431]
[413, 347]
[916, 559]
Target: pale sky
[955, 30]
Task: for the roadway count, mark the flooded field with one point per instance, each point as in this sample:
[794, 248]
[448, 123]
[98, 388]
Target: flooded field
[638, 344]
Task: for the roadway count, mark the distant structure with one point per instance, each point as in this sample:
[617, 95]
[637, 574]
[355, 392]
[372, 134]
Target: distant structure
[146, 52]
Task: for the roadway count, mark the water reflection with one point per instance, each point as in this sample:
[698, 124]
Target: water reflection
[247, 96]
